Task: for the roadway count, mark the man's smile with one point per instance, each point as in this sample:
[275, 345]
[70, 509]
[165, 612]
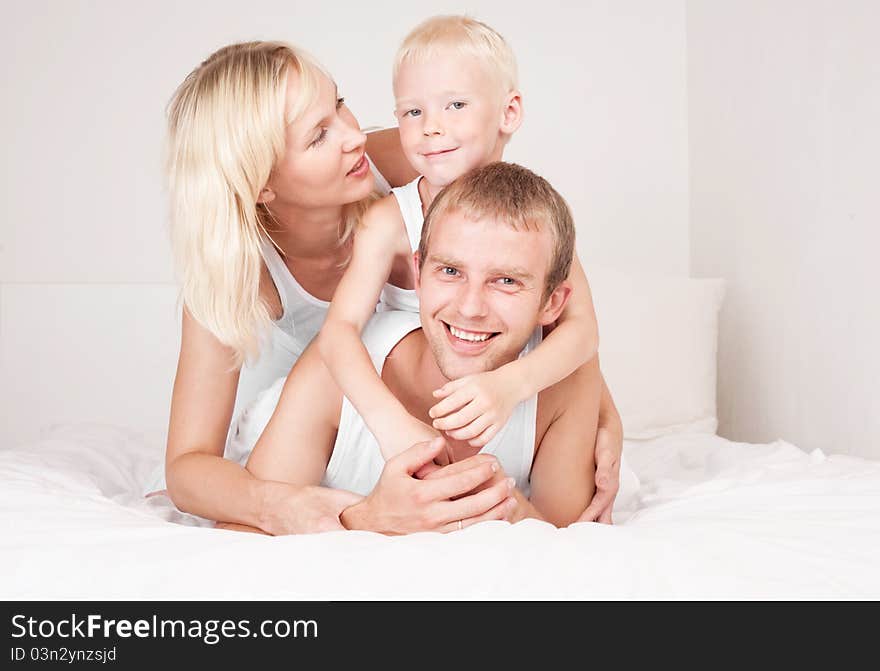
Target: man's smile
[466, 341]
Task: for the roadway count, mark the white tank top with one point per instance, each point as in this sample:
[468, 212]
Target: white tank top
[357, 462]
[410, 203]
[301, 319]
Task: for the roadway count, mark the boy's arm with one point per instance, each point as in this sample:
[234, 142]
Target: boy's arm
[573, 342]
[339, 341]
[562, 479]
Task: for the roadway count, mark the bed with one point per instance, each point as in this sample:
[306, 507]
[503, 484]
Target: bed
[697, 517]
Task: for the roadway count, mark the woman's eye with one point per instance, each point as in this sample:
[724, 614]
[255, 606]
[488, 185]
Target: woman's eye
[320, 139]
[458, 105]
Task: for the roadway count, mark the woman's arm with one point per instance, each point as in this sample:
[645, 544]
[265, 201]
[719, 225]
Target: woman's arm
[200, 481]
[383, 147]
[379, 239]
[562, 477]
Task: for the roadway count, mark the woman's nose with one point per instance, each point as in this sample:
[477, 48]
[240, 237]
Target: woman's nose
[354, 139]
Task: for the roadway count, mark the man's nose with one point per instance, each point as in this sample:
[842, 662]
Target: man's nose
[472, 302]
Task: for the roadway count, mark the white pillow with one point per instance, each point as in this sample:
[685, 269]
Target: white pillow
[658, 348]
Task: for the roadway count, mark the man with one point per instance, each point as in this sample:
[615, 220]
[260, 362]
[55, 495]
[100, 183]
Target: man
[495, 249]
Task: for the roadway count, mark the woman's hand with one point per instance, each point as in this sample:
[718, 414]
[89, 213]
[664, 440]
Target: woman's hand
[475, 407]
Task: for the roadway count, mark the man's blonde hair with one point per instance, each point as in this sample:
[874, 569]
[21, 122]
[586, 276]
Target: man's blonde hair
[509, 193]
[226, 131]
[461, 35]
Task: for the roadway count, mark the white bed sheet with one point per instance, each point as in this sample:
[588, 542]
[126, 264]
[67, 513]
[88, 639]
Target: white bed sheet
[708, 519]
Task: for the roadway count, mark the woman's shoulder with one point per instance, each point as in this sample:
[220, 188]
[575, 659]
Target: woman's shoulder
[384, 214]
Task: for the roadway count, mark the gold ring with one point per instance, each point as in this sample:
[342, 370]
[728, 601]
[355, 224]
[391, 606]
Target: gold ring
[459, 525]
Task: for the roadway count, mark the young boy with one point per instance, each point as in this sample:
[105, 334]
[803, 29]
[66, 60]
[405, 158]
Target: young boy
[457, 106]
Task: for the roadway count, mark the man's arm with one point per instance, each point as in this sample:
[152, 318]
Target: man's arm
[563, 473]
[609, 451]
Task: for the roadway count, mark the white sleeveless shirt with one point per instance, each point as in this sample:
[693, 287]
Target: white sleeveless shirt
[301, 319]
[410, 203]
[357, 461]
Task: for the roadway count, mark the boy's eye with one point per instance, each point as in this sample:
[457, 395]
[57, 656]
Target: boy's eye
[449, 270]
[340, 102]
[413, 112]
[458, 105]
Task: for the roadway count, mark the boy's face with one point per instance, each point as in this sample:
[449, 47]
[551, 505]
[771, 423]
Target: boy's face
[451, 115]
[481, 292]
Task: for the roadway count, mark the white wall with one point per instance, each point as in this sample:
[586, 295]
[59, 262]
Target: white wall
[784, 103]
[87, 317]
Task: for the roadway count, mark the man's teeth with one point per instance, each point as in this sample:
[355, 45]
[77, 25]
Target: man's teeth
[472, 337]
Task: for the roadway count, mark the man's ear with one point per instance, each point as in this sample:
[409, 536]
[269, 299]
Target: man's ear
[416, 270]
[555, 304]
[266, 196]
[512, 115]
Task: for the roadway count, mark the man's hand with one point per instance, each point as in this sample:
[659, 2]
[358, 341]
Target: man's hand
[609, 447]
[400, 503]
[518, 506]
[475, 407]
[304, 510]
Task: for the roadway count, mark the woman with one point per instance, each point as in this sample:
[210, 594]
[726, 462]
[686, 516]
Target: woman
[268, 176]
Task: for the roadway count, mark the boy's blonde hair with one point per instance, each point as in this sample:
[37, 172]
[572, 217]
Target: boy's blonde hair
[462, 35]
[226, 131]
[509, 193]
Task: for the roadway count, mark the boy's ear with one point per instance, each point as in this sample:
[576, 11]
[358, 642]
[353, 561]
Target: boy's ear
[266, 196]
[512, 115]
[555, 304]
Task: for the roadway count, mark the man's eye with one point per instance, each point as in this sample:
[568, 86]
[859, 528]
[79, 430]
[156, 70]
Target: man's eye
[507, 281]
[448, 270]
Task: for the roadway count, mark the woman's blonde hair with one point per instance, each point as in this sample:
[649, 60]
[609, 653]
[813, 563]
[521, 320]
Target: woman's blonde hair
[226, 131]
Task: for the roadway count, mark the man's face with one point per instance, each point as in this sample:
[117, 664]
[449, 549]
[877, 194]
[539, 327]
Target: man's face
[481, 291]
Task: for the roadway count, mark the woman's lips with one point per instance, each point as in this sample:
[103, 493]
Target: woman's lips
[360, 168]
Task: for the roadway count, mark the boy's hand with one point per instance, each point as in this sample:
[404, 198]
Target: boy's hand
[475, 407]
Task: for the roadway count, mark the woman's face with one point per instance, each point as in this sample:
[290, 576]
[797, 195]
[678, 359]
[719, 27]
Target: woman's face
[324, 162]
